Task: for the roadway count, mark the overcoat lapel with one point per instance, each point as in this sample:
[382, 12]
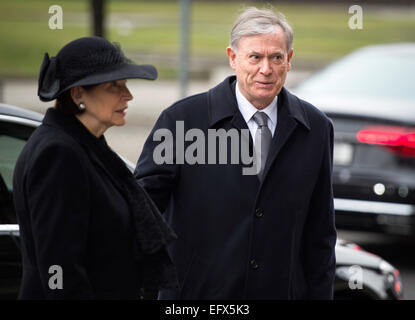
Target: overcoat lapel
[86, 140]
[290, 114]
[98, 162]
[223, 108]
[285, 127]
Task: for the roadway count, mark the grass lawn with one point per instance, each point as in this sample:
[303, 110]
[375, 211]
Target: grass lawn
[149, 31]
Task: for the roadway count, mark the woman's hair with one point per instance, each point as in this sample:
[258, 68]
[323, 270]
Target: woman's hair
[65, 103]
[255, 21]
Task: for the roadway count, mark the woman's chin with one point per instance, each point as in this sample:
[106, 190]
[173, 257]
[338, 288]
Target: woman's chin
[120, 123]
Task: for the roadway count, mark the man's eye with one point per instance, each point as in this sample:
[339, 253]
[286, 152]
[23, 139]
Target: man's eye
[278, 57]
[254, 57]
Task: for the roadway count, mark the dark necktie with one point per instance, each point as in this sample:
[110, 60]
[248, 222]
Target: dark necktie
[263, 137]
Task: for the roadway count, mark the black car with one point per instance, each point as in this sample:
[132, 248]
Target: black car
[359, 274]
[370, 97]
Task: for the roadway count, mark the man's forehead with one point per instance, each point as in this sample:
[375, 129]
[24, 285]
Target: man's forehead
[267, 50]
[274, 41]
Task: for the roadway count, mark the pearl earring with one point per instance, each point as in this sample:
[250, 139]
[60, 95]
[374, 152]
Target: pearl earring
[82, 106]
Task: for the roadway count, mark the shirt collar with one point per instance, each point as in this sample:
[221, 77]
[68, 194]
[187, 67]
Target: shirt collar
[248, 110]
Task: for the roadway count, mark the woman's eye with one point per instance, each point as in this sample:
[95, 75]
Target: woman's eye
[119, 84]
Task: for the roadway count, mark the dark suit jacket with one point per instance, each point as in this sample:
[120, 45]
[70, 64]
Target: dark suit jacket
[71, 214]
[239, 238]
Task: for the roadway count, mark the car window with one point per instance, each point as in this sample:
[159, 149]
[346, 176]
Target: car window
[13, 137]
[10, 148]
[366, 74]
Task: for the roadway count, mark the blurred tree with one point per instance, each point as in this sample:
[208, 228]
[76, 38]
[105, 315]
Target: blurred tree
[98, 18]
[184, 46]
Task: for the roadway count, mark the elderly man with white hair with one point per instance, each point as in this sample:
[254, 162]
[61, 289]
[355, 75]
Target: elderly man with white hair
[259, 230]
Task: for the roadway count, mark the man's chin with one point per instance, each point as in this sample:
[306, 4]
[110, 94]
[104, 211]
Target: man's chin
[266, 96]
[265, 89]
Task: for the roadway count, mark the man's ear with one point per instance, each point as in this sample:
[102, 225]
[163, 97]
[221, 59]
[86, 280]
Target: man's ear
[76, 94]
[290, 55]
[232, 57]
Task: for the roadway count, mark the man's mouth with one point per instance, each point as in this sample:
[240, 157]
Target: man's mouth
[265, 83]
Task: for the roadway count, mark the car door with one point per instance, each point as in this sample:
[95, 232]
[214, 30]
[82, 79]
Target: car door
[14, 132]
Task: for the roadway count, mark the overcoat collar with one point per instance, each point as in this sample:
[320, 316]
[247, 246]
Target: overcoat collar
[72, 126]
[96, 148]
[222, 105]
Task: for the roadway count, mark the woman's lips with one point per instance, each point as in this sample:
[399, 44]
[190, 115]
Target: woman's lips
[122, 111]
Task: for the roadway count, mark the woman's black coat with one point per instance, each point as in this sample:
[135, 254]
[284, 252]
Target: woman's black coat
[71, 215]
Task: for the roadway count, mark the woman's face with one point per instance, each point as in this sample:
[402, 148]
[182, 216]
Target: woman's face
[106, 103]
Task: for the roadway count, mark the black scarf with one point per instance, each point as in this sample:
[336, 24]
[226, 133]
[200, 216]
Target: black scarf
[151, 233]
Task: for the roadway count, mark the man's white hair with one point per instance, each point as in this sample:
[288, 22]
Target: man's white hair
[255, 21]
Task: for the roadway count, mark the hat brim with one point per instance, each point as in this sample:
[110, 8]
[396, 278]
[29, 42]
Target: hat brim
[125, 71]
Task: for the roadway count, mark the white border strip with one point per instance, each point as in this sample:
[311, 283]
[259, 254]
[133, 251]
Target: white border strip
[375, 207]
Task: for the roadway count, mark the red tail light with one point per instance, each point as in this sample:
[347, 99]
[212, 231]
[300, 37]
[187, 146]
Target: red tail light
[397, 139]
[398, 283]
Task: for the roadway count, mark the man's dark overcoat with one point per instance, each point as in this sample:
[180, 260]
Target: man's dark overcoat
[239, 238]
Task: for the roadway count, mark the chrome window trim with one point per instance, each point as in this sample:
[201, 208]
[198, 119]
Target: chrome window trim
[19, 120]
[9, 230]
[374, 207]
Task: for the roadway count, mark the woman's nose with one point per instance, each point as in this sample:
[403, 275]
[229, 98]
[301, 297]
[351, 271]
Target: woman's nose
[127, 94]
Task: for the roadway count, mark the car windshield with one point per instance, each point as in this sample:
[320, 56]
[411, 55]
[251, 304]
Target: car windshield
[369, 73]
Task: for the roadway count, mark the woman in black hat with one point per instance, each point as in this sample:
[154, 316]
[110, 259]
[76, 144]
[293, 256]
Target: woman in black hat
[87, 229]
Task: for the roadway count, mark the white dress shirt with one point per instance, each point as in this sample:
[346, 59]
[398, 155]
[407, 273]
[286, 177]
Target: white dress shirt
[248, 110]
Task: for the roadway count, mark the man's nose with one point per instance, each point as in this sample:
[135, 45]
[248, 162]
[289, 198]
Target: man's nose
[266, 67]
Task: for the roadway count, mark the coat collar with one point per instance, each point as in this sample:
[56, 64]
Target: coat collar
[71, 126]
[96, 148]
[222, 104]
[222, 101]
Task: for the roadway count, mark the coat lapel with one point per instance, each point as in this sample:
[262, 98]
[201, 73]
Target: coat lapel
[285, 127]
[90, 144]
[224, 112]
[223, 105]
[290, 114]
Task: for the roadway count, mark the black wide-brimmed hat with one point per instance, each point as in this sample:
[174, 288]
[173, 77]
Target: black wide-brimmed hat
[87, 61]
